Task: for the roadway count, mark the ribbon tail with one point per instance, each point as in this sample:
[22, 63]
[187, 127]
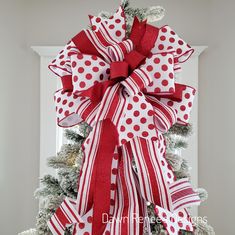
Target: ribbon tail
[183, 195]
[107, 144]
[174, 222]
[129, 208]
[64, 216]
[155, 188]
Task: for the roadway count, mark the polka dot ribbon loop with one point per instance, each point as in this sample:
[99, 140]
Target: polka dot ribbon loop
[125, 89]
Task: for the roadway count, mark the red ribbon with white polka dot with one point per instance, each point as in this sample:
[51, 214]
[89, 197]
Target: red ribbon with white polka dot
[126, 90]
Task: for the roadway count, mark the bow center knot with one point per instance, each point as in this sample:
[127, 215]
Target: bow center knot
[124, 59]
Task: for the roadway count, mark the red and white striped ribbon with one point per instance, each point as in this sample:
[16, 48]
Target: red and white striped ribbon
[182, 194]
[118, 51]
[137, 81]
[164, 117]
[64, 216]
[153, 184]
[130, 208]
[84, 197]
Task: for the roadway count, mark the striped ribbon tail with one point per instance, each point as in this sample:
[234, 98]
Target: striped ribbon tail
[183, 195]
[154, 186]
[64, 216]
[129, 209]
[95, 181]
[145, 226]
[85, 197]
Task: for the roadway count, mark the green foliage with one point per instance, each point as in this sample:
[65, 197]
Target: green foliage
[183, 172]
[68, 180]
[73, 136]
[69, 156]
[202, 228]
[174, 160]
[50, 186]
[184, 131]
[202, 194]
[151, 14]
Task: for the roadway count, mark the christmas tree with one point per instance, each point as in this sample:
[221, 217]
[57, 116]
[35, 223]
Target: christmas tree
[69, 160]
[68, 164]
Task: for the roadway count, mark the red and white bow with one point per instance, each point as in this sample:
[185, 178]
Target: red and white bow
[125, 89]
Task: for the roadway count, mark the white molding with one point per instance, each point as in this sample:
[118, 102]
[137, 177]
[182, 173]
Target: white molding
[47, 51]
[50, 51]
[198, 50]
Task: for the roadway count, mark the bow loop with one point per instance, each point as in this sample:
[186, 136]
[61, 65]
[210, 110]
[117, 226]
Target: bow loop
[117, 51]
[115, 25]
[134, 59]
[164, 115]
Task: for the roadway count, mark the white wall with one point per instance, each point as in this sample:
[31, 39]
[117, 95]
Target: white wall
[19, 109]
[52, 22]
[217, 117]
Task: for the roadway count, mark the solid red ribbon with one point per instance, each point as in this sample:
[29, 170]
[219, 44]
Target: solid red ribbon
[148, 40]
[96, 92]
[134, 59]
[67, 83]
[138, 30]
[143, 36]
[119, 69]
[84, 45]
[122, 69]
[103, 166]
